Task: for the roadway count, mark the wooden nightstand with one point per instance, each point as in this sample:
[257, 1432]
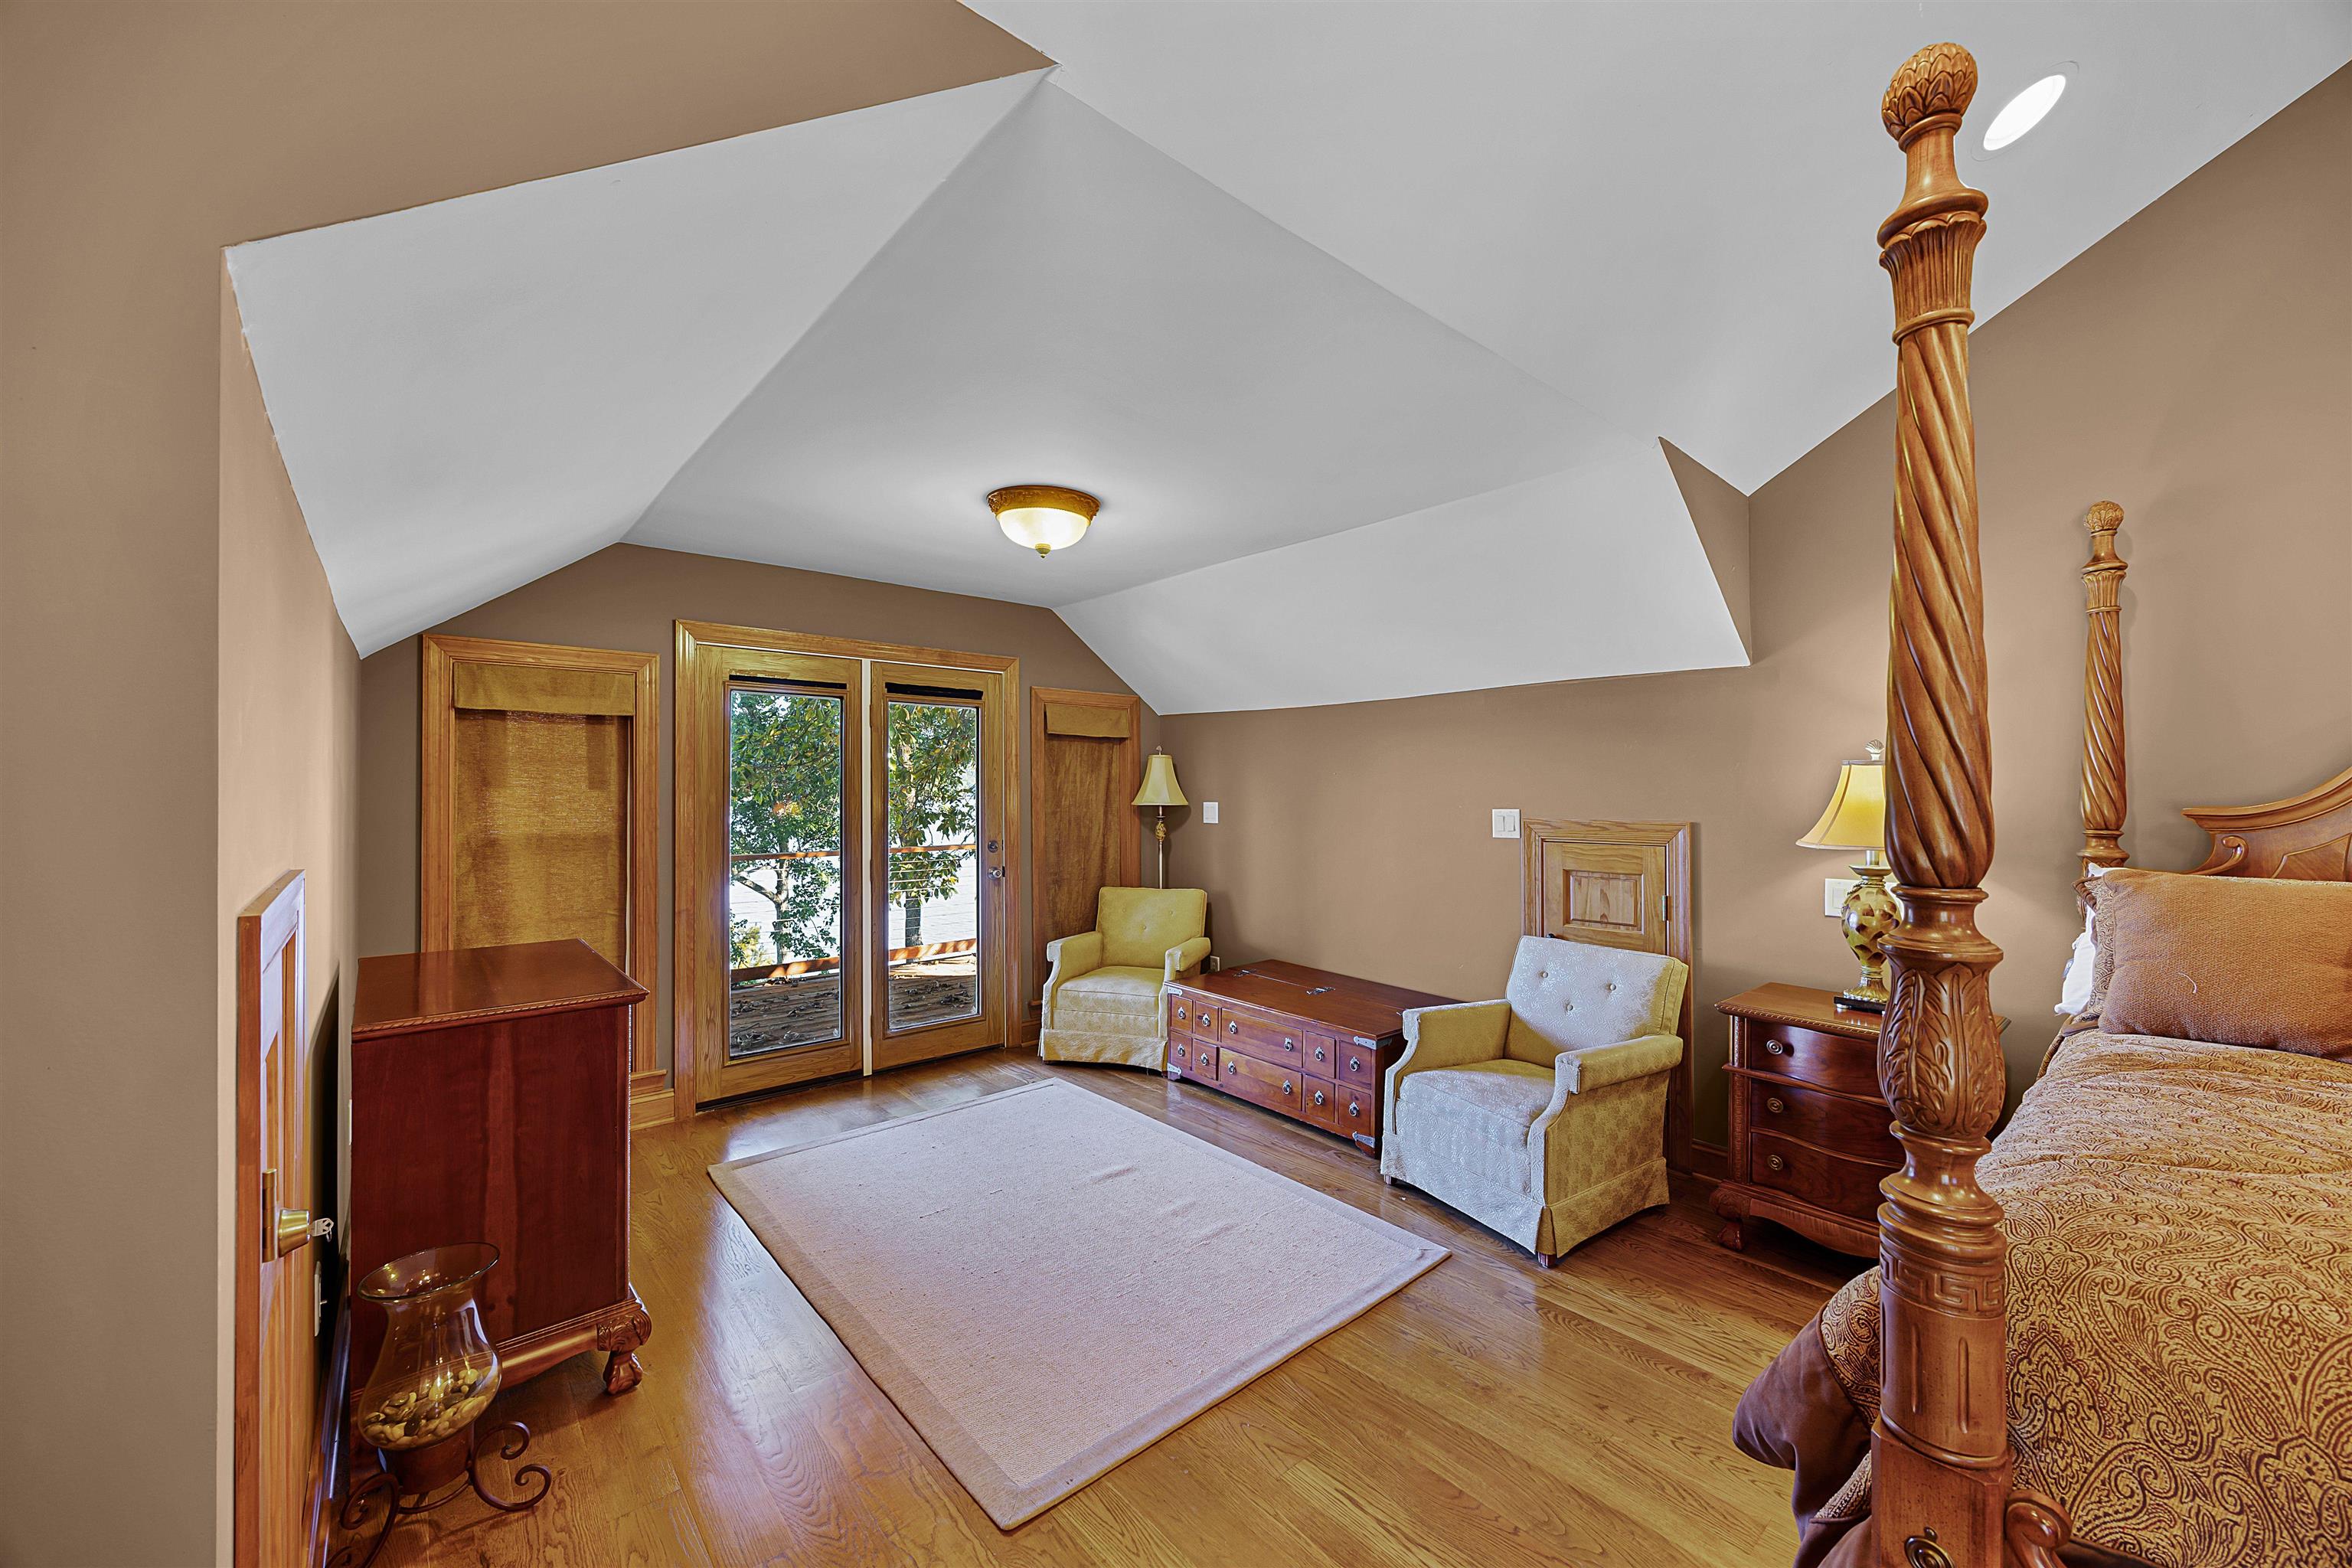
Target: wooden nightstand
[1809, 1131]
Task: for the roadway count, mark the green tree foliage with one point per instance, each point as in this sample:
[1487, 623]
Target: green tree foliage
[934, 799]
[785, 753]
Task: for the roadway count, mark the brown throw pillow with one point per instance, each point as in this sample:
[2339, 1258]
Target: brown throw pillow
[2238, 960]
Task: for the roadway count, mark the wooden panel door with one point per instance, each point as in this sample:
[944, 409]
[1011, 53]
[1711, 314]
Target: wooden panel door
[278, 1485]
[1619, 884]
[538, 816]
[1086, 762]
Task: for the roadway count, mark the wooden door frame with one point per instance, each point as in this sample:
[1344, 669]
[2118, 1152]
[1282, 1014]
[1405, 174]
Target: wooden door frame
[698, 806]
[265, 926]
[436, 903]
[1130, 837]
[1681, 929]
[1000, 741]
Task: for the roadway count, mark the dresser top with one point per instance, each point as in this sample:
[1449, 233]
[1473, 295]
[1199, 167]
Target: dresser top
[403, 993]
[1341, 1001]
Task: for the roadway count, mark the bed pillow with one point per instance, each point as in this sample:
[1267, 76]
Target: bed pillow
[2237, 961]
[2074, 985]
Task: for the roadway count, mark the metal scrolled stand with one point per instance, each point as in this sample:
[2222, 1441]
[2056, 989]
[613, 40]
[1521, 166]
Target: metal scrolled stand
[433, 1379]
[1941, 1462]
[384, 1488]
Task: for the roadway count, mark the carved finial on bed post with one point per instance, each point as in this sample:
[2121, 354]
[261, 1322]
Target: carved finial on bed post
[1941, 1468]
[2104, 800]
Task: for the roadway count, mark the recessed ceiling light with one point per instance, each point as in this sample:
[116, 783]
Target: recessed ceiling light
[1043, 518]
[2023, 112]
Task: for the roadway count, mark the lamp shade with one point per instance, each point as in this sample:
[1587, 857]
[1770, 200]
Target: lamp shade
[1159, 787]
[1855, 817]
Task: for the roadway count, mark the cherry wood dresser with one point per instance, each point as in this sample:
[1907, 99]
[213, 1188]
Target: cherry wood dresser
[1810, 1137]
[490, 1102]
[1307, 1042]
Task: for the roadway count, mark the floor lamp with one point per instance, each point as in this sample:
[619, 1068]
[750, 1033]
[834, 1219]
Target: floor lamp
[1161, 790]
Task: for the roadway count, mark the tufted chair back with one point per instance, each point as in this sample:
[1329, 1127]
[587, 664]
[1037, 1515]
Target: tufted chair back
[1568, 995]
[1138, 925]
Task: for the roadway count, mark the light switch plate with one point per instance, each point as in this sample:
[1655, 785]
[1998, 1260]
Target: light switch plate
[1208, 811]
[1507, 822]
[1834, 892]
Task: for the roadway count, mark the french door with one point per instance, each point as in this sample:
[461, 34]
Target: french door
[843, 860]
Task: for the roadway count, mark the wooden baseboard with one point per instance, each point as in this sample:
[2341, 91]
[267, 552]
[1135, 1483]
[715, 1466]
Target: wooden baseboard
[331, 1458]
[1710, 1162]
[651, 1107]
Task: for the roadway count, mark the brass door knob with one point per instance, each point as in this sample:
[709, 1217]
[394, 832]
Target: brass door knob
[1774, 1162]
[1773, 1103]
[297, 1229]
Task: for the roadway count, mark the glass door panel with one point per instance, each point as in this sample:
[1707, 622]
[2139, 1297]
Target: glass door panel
[785, 827]
[931, 771]
[941, 760]
[782, 989]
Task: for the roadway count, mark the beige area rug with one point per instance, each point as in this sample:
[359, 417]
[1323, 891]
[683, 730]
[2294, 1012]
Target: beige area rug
[1026, 1275]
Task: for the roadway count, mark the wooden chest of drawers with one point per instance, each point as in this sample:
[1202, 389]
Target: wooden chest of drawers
[1310, 1043]
[1810, 1137]
[490, 1102]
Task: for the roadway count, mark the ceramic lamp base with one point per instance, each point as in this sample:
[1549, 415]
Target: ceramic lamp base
[1869, 915]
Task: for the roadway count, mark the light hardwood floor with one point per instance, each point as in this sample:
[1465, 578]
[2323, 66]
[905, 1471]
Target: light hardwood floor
[1487, 1415]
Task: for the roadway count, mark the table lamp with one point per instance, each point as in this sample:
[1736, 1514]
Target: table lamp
[1159, 789]
[1855, 818]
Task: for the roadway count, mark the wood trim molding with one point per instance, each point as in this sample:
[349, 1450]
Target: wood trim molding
[436, 815]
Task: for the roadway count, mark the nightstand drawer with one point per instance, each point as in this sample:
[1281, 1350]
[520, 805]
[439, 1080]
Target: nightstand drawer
[1852, 1127]
[1824, 1180]
[1850, 1066]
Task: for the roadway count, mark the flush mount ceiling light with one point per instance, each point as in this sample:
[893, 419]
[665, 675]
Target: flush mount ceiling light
[1043, 518]
[2026, 110]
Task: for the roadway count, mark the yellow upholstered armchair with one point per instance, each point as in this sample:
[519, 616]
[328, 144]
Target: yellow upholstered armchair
[1102, 997]
[1543, 1115]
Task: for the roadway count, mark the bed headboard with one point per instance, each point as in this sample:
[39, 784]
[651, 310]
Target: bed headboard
[2304, 837]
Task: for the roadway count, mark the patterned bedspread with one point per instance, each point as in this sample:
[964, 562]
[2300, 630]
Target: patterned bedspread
[2179, 1218]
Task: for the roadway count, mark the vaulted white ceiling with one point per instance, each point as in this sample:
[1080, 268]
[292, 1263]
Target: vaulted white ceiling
[1365, 319]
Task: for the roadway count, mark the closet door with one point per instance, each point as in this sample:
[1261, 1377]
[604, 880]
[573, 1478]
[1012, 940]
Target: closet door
[1086, 762]
[536, 820]
[937, 794]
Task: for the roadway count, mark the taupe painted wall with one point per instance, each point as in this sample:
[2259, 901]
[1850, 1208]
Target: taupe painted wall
[2196, 366]
[627, 597]
[136, 140]
[288, 705]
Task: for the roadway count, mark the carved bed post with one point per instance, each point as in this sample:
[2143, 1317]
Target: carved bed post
[1941, 1459]
[2104, 801]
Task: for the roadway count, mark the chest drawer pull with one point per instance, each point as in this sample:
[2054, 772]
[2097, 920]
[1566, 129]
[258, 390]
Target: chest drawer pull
[1322, 1055]
[1319, 1097]
[1775, 1162]
[1354, 1109]
[1286, 1087]
[1233, 1028]
[1182, 1014]
[1354, 1064]
[1179, 1053]
[1776, 1047]
[1772, 1102]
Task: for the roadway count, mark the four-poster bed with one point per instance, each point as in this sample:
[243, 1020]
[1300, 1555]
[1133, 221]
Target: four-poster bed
[2171, 1285]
